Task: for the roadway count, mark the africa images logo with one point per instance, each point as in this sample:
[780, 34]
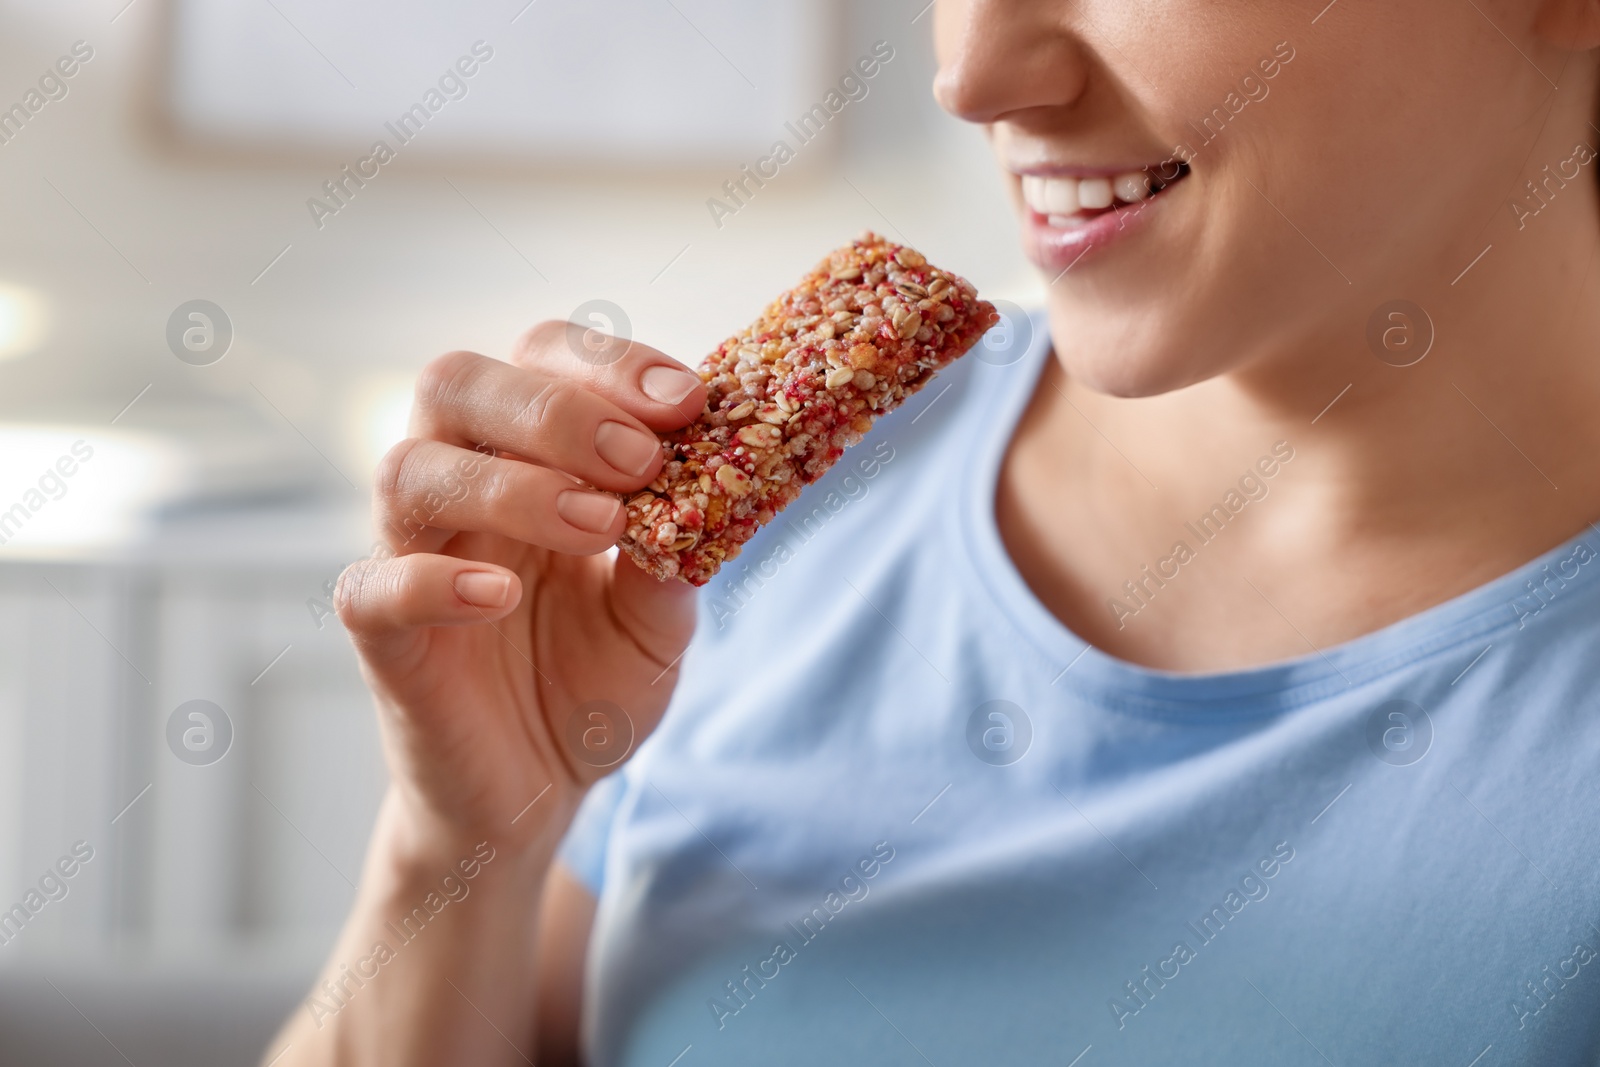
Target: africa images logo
[341, 189]
[851, 888]
[1252, 888]
[199, 732]
[851, 88]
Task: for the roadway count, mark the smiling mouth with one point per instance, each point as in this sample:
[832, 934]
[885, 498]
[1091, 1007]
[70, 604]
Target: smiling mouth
[1067, 203]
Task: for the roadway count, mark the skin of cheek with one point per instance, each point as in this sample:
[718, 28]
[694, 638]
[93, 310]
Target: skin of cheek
[1355, 157]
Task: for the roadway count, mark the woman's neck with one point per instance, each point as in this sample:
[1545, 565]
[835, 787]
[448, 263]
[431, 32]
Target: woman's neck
[1402, 486]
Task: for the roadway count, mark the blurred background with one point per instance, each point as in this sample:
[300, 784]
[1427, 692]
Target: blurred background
[215, 290]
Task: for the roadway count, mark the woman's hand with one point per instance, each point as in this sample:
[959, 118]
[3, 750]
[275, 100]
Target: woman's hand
[498, 619]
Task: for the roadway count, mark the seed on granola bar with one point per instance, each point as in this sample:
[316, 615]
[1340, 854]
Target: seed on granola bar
[734, 480]
[863, 356]
[839, 377]
[907, 323]
[760, 435]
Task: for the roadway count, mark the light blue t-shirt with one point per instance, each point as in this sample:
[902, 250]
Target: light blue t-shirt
[898, 814]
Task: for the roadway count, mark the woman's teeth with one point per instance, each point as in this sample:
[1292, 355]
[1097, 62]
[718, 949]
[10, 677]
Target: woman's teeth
[1094, 193]
[1131, 188]
[1060, 198]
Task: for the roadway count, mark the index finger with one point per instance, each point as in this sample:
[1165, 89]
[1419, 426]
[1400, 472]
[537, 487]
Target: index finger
[643, 381]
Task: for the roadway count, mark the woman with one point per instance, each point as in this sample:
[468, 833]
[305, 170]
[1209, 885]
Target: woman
[1208, 677]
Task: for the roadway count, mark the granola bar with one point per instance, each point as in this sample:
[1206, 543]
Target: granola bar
[865, 329]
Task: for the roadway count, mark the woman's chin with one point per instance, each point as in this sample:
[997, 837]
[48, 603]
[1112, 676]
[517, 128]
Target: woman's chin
[1134, 347]
[1130, 372]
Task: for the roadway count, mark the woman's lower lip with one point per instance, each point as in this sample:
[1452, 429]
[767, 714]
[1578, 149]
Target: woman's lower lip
[1055, 249]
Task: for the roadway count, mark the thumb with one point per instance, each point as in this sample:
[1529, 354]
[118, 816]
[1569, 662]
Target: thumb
[659, 616]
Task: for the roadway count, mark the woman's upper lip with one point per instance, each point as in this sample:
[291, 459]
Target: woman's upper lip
[1074, 170]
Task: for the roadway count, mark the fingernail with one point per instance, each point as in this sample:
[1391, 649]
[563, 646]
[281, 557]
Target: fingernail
[594, 512]
[630, 451]
[667, 385]
[483, 590]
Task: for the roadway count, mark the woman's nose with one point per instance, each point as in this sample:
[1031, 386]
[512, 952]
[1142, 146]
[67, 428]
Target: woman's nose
[999, 57]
